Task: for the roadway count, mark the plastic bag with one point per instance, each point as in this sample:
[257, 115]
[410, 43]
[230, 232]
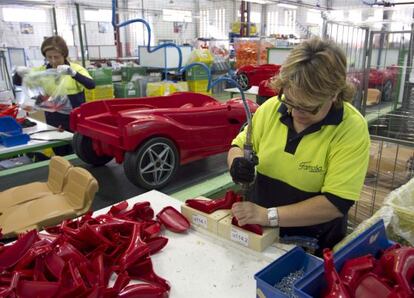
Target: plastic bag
[45, 90]
[401, 201]
[201, 55]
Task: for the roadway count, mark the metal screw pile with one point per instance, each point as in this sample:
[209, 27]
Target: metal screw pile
[285, 285]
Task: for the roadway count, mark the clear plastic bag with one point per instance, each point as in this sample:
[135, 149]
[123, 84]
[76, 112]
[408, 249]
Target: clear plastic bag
[401, 201]
[45, 90]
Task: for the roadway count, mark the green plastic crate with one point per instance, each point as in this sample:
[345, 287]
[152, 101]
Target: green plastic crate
[101, 76]
[126, 90]
[128, 72]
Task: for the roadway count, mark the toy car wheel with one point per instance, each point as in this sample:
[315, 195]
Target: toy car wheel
[387, 91]
[84, 150]
[243, 80]
[152, 165]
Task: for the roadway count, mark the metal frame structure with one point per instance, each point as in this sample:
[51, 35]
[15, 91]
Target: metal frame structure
[392, 157]
[355, 48]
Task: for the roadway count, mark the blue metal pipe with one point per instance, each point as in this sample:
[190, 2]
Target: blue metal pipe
[139, 20]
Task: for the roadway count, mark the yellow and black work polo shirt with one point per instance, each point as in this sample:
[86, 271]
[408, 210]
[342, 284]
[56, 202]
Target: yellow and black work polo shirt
[329, 157]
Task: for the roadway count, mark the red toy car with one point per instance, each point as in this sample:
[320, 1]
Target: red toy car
[153, 136]
[384, 79]
[250, 75]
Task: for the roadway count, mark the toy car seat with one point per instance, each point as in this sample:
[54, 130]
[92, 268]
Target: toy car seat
[58, 169]
[75, 199]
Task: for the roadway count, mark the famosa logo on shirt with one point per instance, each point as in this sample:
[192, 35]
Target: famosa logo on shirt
[306, 166]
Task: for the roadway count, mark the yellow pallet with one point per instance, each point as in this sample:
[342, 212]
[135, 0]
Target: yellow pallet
[99, 93]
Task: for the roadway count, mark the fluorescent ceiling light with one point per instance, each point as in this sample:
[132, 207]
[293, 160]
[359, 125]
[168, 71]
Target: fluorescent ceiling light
[287, 6]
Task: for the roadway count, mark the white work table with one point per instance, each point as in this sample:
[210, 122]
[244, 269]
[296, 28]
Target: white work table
[203, 265]
[49, 139]
[254, 90]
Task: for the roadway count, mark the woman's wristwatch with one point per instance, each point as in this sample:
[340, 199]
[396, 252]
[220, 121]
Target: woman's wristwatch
[273, 217]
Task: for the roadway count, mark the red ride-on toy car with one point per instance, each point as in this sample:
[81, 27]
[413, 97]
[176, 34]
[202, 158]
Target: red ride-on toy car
[250, 75]
[153, 136]
[385, 80]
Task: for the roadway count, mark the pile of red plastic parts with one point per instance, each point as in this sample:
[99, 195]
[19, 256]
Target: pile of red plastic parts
[8, 110]
[391, 276]
[79, 257]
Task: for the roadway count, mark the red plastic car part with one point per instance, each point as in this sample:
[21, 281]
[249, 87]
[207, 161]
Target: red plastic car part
[355, 268]
[13, 253]
[173, 220]
[144, 271]
[257, 229]
[398, 266]
[335, 287]
[370, 286]
[209, 206]
[143, 291]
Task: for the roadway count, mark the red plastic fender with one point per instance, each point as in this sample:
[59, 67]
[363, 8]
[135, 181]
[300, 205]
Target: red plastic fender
[173, 220]
[209, 206]
[143, 291]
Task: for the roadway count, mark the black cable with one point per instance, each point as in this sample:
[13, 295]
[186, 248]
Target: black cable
[46, 130]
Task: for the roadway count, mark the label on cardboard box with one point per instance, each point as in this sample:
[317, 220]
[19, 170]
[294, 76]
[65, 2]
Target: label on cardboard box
[239, 237]
[199, 220]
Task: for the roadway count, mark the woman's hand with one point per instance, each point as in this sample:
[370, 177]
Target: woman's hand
[22, 70]
[66, 69]
[250, 213]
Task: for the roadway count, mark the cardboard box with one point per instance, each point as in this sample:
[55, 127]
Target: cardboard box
[203, 220]
[247, 238]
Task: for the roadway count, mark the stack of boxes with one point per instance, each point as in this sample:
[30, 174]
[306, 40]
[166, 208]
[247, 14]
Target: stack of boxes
[103, 81]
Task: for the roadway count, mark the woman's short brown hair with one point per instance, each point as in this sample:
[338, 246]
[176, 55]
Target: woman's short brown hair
[315, 72]
[55, 43]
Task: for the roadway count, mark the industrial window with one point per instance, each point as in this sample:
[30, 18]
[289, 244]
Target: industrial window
[172, 15]
[271, 22]
[27, 15]
[255, 17]
[220, 25]
[290, 21]
[97, 15]
[204, 23]
[313, 16]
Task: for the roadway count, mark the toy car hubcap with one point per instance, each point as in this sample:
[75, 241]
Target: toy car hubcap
[157, 164]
